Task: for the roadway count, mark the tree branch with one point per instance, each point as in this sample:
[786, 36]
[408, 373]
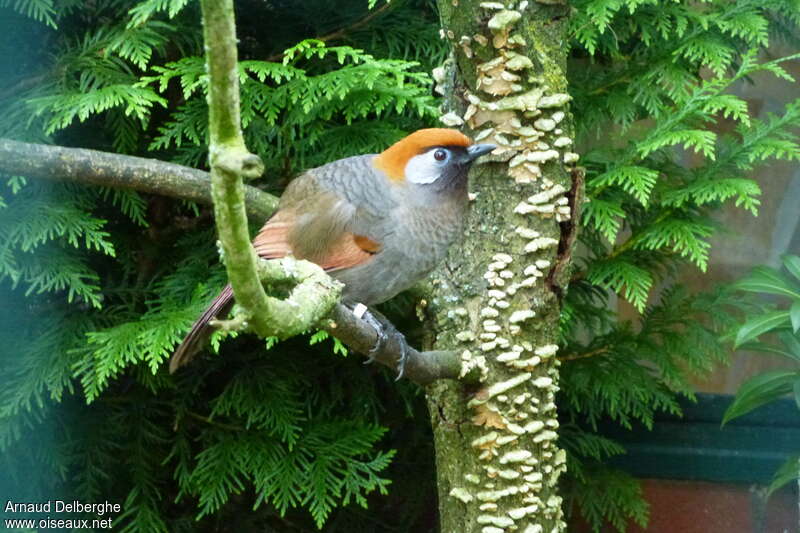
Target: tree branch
[122, 171]
[312, 296]
[422, 368]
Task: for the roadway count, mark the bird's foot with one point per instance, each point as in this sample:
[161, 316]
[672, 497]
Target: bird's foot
[384, 330]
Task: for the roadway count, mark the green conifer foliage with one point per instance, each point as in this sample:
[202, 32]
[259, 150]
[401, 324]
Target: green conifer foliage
[652, 81]
[111, 279]
[100, 284]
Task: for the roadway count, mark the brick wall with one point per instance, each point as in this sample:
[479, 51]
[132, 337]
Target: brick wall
[701, 507]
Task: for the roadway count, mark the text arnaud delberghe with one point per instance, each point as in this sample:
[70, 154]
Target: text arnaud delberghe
[61, 506]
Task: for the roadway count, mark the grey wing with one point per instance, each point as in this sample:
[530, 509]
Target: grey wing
[356, 182]
[328, 216]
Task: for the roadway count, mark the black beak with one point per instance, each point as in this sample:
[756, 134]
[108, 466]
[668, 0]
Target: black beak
[477, 150]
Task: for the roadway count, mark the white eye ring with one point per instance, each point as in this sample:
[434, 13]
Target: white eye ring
[427, 166]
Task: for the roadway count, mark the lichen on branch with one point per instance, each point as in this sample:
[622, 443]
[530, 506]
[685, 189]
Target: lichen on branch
[312, 295]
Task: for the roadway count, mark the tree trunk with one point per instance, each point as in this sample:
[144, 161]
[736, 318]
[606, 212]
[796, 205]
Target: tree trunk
[497, 297]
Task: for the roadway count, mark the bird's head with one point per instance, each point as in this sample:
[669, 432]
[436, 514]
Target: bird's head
[434, 156]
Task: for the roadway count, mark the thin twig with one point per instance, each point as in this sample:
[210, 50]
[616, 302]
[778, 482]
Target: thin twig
[209, 420]
[584, 355]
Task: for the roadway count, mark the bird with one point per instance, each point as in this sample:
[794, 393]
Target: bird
[378, 223]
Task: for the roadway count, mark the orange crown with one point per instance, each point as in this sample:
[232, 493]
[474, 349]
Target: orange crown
[393, 160]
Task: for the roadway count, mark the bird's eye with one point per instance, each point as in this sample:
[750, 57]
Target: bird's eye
[440, 155]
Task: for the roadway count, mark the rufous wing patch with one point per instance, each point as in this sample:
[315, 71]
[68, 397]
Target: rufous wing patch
[393, 160]
[348, 250]
[272, 241]
[367, 244]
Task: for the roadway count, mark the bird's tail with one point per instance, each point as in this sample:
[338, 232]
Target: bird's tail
[201, 330]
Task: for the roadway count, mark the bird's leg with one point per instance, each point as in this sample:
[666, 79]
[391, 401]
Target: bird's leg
[384, 330]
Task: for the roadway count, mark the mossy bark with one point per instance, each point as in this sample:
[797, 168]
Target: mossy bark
[497, 298]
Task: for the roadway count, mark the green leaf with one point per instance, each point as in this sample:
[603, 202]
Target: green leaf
[760, 324]
[788, 472]
[623, 277]
[705, 191]
[39, 10]
[728, 105]
[759, 390]
[604, 216]
[754, 346]
[682, 236]
[701, 141]
[791, 342]
[769, 280]
[143, 11]
[270, 342]
[792, 264]
[794, 315]
[635, 180]
[17, 183]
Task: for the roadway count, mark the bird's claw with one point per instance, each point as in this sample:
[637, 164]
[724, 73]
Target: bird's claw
[381, 330]
[370, 319]
[381, 342]
[401, 361]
